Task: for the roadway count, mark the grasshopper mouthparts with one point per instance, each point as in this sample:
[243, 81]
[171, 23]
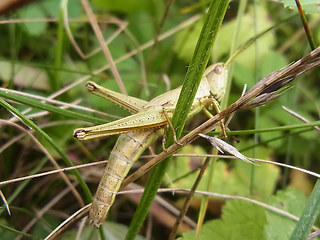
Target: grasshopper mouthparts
[91, 86]
[80, 133]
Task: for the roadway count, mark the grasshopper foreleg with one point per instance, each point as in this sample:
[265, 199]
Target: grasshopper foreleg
[216, 106]
[171, 127]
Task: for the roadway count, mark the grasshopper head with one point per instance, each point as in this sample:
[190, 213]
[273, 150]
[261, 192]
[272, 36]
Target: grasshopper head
[216, 76]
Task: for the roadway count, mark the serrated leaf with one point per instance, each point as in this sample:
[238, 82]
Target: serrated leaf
[239, 220]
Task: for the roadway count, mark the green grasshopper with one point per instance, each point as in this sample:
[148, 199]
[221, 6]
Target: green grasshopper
[140, 130]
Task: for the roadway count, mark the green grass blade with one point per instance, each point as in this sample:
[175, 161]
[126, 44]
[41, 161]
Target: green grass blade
[19, 233]
[273, 129]
[37, 104]
[224, 102]
[191, 82]
[309, 215]
[264, 130]
[67, 161]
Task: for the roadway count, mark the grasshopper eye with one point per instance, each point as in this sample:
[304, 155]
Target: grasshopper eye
[218, 69]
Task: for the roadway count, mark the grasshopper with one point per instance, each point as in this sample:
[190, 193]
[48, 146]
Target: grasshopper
[140, 130]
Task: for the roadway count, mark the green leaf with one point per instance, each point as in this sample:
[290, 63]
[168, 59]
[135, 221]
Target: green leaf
[180, 167]
[280, 227]
[239, 220]
[33, 28]
[236, 180]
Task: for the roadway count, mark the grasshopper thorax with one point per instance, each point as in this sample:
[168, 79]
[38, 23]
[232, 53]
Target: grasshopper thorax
[216, 76]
